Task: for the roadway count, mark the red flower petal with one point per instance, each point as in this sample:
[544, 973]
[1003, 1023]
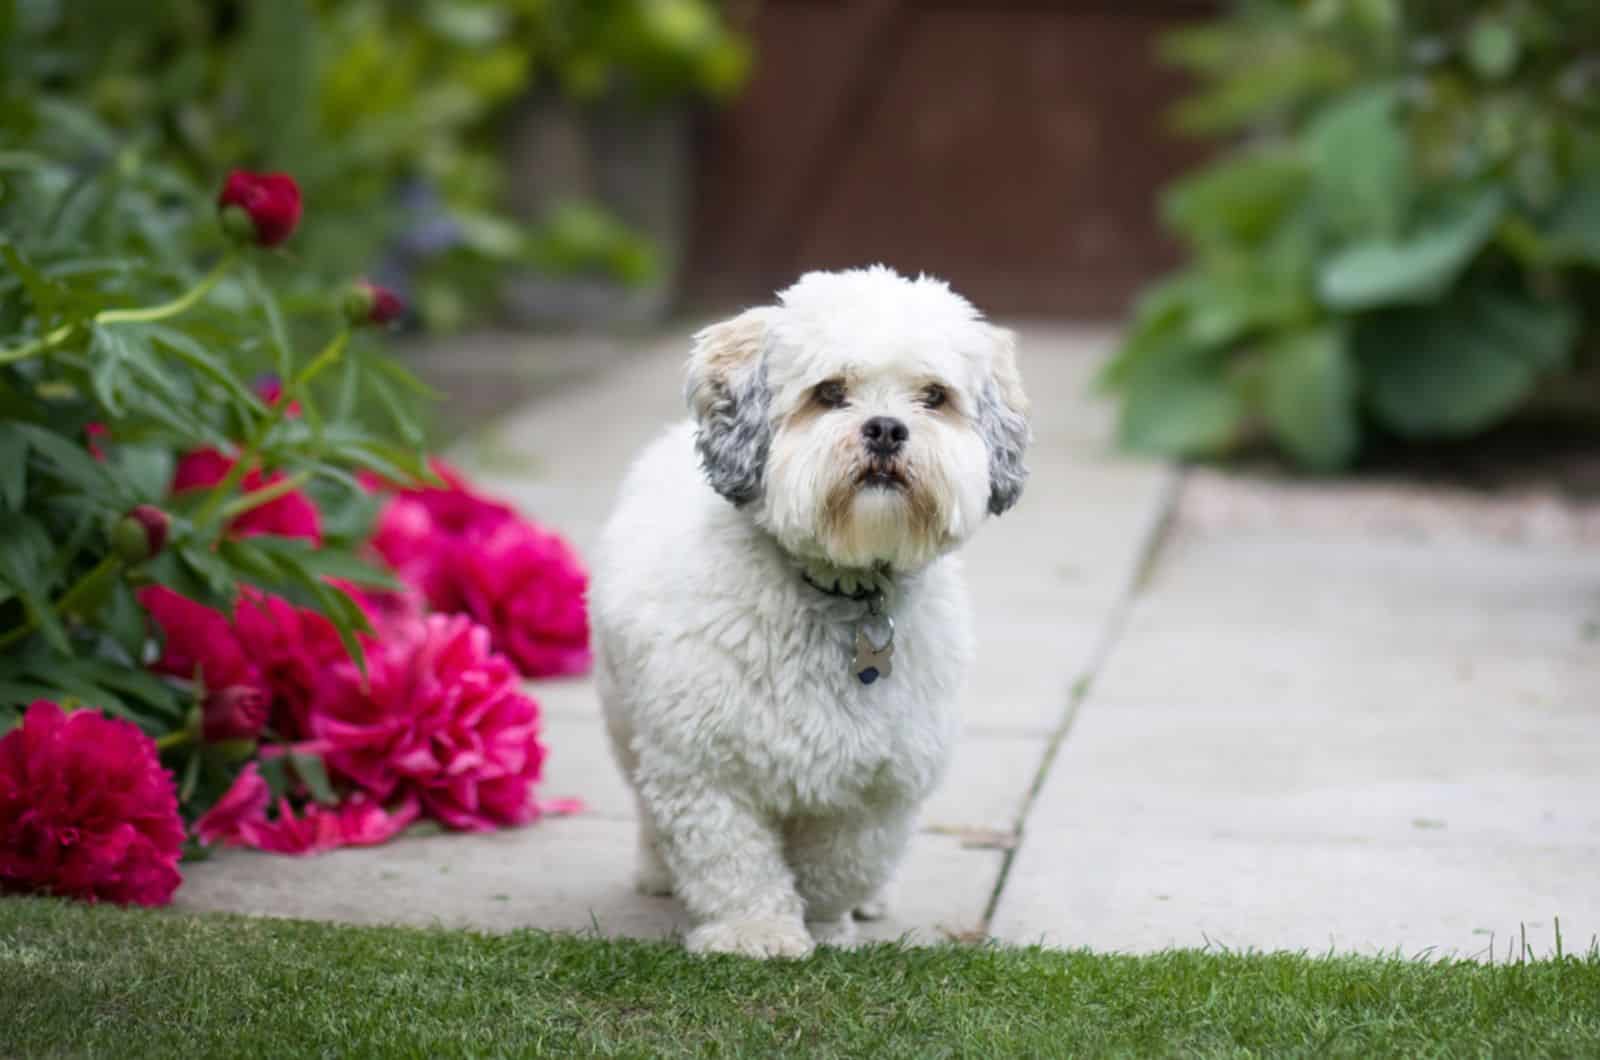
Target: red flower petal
[86, 811]
[272, 201]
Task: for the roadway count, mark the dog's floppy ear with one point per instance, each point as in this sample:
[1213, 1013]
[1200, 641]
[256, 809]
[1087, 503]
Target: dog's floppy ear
[1003, 421]
[727, 391]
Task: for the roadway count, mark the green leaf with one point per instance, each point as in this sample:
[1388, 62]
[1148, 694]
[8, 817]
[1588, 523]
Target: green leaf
[1493, 48]
[1572, 235]
[1310, 397]
[71, 678]
[1419, 269]
[1267, 85]
[1191, 413]
[191, 352]
[409, 427]
[313, 773]
[1452, 369]
[108, 351]
[43, 292]
[137, 688]
[277, 330]
[167, 569]
[1236, 200]
[147, 470]
[211, 571]
[25, 566]
[347, 618]
[124, 622]
[72, 464]
[13, 467]
[312, 561]
[1361, 160]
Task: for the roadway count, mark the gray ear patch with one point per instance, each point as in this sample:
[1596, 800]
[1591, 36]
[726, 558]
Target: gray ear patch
[1005, 432]
[734, 434]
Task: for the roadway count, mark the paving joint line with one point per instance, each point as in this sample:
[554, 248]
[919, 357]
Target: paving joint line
[1155, 539]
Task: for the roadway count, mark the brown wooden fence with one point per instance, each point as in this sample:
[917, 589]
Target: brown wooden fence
[1013, 147]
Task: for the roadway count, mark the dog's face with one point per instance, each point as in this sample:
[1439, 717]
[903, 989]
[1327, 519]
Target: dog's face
[866, 419]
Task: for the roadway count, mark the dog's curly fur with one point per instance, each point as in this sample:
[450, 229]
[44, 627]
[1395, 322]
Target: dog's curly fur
[776, 791]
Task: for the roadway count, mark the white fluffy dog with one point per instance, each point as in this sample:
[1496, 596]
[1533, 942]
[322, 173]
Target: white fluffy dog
[781, 627]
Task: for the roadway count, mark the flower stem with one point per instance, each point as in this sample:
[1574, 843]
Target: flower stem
[183, 302]
[175, 738]
[68, 600]
[178, 304]
[292, 386]
[38, 345]
[264, 495]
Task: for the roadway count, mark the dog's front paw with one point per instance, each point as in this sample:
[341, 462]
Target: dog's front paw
[876, 907]
[774, 937]
[839, 933]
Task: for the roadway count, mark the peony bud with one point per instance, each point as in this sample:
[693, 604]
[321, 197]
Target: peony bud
[367, 303]
[140, 534]
[260, 208]
[237, 712]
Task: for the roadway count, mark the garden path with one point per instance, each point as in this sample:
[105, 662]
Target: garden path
[1207, 711]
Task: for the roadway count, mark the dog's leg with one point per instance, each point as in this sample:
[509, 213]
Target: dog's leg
[842, 866]
[727, 863]
[651, 875]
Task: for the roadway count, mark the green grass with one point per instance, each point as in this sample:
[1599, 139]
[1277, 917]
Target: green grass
[77, 980]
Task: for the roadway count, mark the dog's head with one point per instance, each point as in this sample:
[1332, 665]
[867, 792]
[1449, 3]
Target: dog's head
[865, 419]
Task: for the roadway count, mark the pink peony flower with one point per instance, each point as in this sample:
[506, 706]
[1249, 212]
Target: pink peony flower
[356, 822]
[444, 719]
[528, 587]
[291, 515]
[86, 810]
[386, 609]
[418, 550]
[466, 553]
[198, 643]
[295, 650]
[269, 663]
[246, 800]
[240, 819]
[234, 712]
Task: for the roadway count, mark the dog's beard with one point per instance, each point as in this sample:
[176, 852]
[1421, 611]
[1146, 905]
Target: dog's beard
[829, 500]
[855, 512]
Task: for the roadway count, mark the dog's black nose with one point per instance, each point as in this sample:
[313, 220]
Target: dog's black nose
[885, 435]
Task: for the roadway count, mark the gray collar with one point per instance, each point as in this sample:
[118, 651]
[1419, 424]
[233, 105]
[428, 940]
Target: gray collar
[849, 584]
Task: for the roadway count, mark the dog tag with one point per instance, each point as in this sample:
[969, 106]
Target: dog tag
[874, 645]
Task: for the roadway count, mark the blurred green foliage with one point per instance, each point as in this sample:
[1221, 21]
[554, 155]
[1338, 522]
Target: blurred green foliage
[384, 110]
[1404, 241]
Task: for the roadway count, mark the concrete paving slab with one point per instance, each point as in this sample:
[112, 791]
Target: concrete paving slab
[1469, 593]
[1113, 890]
[1270, 670]
[1336, 742]
[1318, 771]
[561, 874]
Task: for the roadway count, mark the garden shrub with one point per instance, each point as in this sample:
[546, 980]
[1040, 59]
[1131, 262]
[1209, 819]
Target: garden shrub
[220, 527]
[1403, 241]
[384, 109]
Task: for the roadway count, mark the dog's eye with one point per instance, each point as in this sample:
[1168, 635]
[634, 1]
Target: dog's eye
[830, 394]
[934, 396]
